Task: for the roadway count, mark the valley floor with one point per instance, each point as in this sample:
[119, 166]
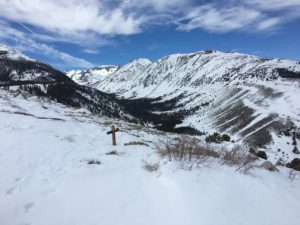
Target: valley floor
[45, 177]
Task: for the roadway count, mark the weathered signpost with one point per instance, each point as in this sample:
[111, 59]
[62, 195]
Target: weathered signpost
[113, 134]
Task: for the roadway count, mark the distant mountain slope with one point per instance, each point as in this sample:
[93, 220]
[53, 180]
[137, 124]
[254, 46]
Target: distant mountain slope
[20, 74]
[143, 78]
[189, 71]
[91, 76]
[7, 52]
[252, 98]
[16, 68]
[125, 76]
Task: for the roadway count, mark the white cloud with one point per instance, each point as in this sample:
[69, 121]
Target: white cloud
[24, 42]
[219, 20]
[70, 16]
[124, 17]
[58, 55]
[271, 5]
[234, 15]
[84, 21]
[91, 24]
[157, 6]
[90, 51]
[268, 23]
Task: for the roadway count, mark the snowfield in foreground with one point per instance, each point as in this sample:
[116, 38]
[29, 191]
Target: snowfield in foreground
[45, 178]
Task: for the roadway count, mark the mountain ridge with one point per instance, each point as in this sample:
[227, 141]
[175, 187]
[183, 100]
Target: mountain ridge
[32, 78]
[221, 92]
[243, 66]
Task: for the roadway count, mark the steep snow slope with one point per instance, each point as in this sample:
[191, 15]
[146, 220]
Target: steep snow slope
[91, 76]
[250, 97]
[143, 78]
[45, 178]
[124, 76]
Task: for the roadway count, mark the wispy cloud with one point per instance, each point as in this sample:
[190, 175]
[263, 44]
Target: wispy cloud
[245, 16]
[90, 19]
[268, 23]
[26, 28]
[24, 42]
[58, 55]
[71, 16]
[271, 5]
[214, 19]
[90, 51]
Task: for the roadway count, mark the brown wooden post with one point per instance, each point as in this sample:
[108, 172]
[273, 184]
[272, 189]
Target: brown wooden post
[113, 130]
[113, 134]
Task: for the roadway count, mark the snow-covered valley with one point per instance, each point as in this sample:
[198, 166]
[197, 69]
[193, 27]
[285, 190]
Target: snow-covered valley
[45, 177]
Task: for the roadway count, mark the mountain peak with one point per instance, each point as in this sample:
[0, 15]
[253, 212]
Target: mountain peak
[177, 55]
[210, 51]
[8, 52]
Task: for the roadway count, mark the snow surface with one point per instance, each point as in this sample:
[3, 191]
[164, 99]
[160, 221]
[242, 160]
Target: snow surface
[12, 53]
[45, 178]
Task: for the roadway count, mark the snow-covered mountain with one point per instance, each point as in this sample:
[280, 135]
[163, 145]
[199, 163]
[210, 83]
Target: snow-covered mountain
[91, 76]
[143, 78]
[22, 75]
[16, 68]
[124, 76]
[250, 97]
[36, 78]
[7, 52]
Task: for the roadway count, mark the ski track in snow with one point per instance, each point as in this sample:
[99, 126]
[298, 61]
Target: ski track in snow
[45, 178]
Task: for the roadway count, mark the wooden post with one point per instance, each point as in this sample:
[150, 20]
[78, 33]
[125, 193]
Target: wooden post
[113, 134]
[113, 130]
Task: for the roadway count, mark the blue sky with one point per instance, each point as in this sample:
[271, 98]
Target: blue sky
[74, 34]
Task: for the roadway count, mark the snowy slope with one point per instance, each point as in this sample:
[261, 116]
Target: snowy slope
[120, 75]
[124, 77]
[34, 78]
[11, 53]
[16, 68]
[91, 76]
[45, 178]
[39, 79]
[143, 78]
[249, 97]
